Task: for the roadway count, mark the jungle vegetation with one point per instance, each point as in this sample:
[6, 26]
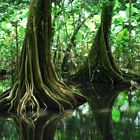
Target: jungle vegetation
[44, 42]
[92, 44]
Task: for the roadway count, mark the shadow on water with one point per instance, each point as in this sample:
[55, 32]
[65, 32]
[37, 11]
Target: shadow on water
[112, 113]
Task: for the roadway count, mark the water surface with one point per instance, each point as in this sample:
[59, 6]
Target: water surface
[112, 113]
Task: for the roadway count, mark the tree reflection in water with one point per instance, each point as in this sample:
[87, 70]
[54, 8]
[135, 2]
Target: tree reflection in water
[32, 126]
[98, 114]
[102, 100]
[91, 121]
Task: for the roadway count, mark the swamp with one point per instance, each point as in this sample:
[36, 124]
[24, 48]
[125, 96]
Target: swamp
[69, 70]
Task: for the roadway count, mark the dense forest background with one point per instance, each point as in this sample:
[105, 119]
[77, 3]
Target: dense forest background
[75, 24]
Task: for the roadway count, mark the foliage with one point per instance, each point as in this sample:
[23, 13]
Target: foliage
[66, 17]
[8, 131]
[125, 35]
[5, 85]
[13, 17]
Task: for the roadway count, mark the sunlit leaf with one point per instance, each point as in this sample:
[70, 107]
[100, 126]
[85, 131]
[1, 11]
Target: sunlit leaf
[79, 36]
[117, 29]
[115, 115]
[1, 87]
[21, 30]
[121, 99]
[7, 40]
[3, 25]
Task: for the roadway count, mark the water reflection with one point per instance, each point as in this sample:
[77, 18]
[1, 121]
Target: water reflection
[129, 126]
[8, 130]
[112, 113]
[30, 126]
[102, 100]
[80, 126]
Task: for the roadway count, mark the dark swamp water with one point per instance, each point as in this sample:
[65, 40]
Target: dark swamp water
[112, 113]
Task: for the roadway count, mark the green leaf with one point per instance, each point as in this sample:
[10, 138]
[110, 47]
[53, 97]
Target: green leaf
[21, 30]
[121, 98]
[117, 29]
[7, 40]
[3, 25]
[1, 87]
[25, 13]
[88, 8]
[79, 36]
[115, 115]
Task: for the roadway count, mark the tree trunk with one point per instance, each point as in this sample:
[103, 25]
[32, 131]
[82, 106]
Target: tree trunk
[100, 65]
[37, 85]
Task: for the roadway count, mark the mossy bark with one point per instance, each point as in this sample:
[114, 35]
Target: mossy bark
[37, 85]
[100, 65]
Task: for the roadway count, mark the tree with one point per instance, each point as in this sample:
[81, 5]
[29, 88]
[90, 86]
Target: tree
[37, 85]
[100, 65]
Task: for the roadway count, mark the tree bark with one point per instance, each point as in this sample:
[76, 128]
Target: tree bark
[100, 65]
[37, 85]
